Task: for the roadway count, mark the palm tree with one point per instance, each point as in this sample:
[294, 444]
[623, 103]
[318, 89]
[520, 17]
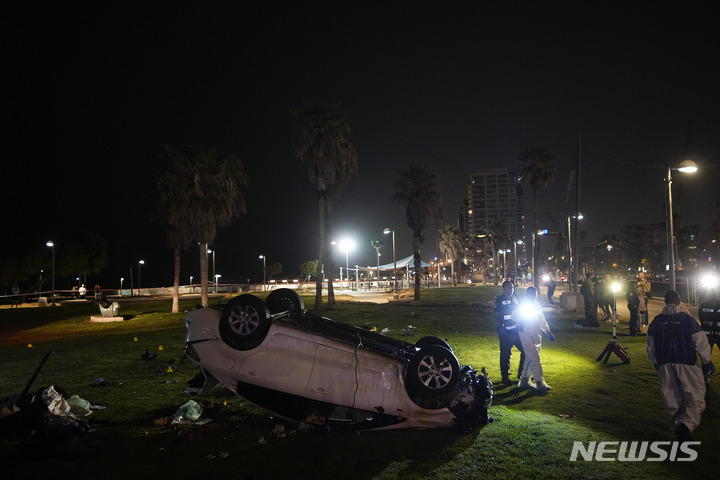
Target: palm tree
[199, 190]
[417, 189]
[493, 234]
[537, 169]
[323, 140]
[452, 244]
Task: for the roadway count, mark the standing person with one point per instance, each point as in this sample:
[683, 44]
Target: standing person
[709, 312]
[600, 298]
[644, 291]
[643, 317]
[16, 296]
[505, 305]
[551, 289]
[633, 301]
[98, 292]
[82, 291]
[642, 281]
[674, 340]
[531, 325]
[610, 296]
[587, 290]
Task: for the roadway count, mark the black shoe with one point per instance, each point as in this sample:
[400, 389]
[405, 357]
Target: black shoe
[682, 433]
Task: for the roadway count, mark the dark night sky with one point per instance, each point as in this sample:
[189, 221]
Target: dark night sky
[92, 94]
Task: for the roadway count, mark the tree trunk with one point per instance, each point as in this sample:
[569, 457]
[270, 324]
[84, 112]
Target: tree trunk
[330, 261]
[321, 259]
[176, 281]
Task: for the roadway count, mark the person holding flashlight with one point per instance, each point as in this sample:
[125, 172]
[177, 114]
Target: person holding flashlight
[531, 325]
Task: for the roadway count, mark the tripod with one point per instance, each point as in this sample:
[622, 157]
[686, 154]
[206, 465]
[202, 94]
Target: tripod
[612, 346]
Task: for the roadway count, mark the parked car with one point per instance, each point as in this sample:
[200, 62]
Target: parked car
[307, 368]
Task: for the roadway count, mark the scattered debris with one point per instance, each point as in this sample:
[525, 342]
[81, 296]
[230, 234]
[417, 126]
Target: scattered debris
[190, 411]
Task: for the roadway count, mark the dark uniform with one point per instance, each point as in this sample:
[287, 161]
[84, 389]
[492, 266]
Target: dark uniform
[507, 333]
[588, 292]
[709, 313]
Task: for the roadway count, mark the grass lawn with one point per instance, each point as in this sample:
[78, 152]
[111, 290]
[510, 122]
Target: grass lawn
[531, 437]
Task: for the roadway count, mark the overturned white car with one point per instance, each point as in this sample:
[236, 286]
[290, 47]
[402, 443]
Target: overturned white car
[304, 367]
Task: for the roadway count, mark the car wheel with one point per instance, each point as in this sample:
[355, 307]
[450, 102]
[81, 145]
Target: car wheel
[284, 299]
[425, 341]
[244, 322]
[432, 373]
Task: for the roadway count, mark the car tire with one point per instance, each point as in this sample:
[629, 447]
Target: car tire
[283, 300]
[425, 341]
[431, 377]
[244, 322]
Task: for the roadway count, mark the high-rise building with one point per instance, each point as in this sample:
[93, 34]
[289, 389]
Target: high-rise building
[495, 199]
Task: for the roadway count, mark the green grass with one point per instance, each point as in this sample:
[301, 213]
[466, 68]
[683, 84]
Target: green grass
[531, 437]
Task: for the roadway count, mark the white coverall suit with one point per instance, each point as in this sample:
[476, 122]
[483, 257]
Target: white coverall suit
[674, 339]
[531, 338]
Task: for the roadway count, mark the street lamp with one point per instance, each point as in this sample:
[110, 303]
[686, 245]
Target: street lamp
[534, 275]
[686, 166]
[376, 245]
[213, 265]
[216, 280]
[141, 262]
[51, 244]
[515, 244]
[121, 282]
[504, 262]
[386, 231]
[262, 257]
[347, 245]
[572, 265]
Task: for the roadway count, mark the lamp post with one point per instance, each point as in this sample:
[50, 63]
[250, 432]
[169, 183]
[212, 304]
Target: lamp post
[386, 231]
[347, 245]
[121, 284]
[534, 274]
[515, 244]
[51, 244]
[262, 257]
[504, 251]
[572, 265]
[686, 166]
[217, 276]
[141, 262]
[213, 265]
[376, 245]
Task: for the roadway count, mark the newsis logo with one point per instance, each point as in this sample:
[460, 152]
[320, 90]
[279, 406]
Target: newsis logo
[658, 451]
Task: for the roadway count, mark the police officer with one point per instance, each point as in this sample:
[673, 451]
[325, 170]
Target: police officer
[505, 304]
[709, 313]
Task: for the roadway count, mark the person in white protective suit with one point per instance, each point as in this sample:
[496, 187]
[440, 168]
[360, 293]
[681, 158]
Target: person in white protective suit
[674, 340]
[531, 325]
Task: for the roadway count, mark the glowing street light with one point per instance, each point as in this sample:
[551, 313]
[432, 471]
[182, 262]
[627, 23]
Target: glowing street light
[346, 244]
[515, 244]
[51, 244]
[213, 265]
[141, 262]
[376, 245]
[686, 166]
[572, 262]
[262, 257]
[387, 231]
